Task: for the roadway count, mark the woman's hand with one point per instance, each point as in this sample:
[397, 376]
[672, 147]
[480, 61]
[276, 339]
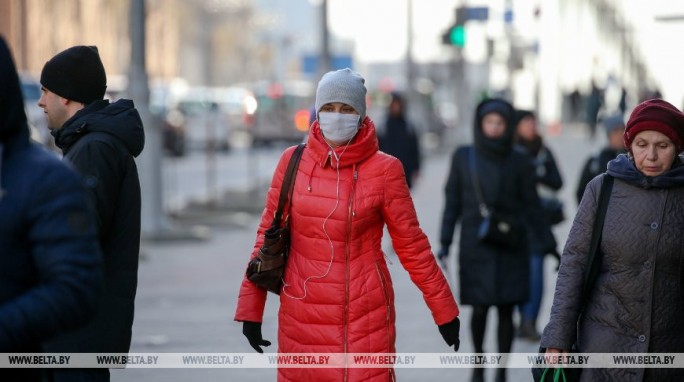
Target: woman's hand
[252, 330]
[450, 333]
[554, 354]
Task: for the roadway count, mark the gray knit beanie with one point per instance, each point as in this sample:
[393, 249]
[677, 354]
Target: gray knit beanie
[345, 86]
[613, 122]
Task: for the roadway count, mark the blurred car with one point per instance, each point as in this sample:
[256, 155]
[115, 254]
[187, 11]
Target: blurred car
[213, 114]
[171, 120]
[283, 111]
[174, 133]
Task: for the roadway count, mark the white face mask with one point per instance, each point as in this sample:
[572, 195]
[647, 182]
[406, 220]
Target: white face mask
[337, 127]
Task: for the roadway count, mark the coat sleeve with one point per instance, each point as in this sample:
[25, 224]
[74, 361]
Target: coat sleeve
[413, 248]
[585, 176]
[252, 299]
[452, 202]
[66, 255]
[561, 331]
[543, 240]
[552, 177]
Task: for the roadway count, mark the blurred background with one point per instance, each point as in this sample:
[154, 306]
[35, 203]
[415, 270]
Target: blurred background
[222, 74]
[253, 64]
[224, 85]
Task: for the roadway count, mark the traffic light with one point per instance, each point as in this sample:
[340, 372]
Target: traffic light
[455, 35]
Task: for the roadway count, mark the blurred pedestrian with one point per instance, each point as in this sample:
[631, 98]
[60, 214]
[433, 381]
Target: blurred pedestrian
[614, 127]
[595, 101]
[491, 176]
[400, 140]
[50, 261]
[575, 105]
[635, 304]
[101, 139]
[548, 179]
[622, 104]
[337, 294]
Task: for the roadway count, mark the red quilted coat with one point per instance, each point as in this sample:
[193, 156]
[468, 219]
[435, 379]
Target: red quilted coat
[338, 295]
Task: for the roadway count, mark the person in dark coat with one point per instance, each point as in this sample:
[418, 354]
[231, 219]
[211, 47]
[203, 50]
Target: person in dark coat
[400, 140]
[635, 304]
[101, 139]
[548, 181]
[50, 260]
[595, 101]
[491, 275]
[614, 126]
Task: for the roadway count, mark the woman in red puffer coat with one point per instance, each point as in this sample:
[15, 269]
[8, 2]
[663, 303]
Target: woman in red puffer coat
[337, 295]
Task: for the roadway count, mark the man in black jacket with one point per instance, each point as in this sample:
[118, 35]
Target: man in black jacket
[101, 140]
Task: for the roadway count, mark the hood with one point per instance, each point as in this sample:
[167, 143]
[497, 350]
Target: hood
[609, 152]
[119, 119]
[623, 168]
[494, 147]
[364, 145]
[13, 125]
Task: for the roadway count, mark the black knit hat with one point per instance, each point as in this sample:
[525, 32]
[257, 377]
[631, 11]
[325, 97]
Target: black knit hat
[76, 74]
[521, 114]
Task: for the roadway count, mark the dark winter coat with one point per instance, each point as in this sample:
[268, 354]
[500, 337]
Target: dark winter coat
[491, 275]
[50, 261]
[636, 305]
[101, 141]
[548, 181]
[400, 140]
[545, 167]
[594, 166]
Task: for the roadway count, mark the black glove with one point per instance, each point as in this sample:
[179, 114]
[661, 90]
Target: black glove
[450, 333]
[252, 330]
[442, 256]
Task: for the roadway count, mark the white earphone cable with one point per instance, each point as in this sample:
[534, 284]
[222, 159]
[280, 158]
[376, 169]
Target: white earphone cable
[332, 247]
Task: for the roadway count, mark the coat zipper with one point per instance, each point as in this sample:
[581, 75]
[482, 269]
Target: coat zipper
[350, 212]
[387, 310]
[384, 293]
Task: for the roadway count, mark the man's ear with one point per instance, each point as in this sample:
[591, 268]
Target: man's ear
[71, 103]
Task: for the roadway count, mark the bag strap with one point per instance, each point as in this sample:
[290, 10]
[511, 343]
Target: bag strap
[594, 252]
[288, 184]
[484, 210]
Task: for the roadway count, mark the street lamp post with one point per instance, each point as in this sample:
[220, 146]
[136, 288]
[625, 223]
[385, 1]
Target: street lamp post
[325, 40]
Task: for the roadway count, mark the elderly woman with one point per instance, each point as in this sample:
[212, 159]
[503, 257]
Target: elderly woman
[337, 294]
[636, 304]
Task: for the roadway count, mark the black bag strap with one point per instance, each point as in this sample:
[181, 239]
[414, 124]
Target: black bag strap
[594, 252]
[288, 184]
[484, 210]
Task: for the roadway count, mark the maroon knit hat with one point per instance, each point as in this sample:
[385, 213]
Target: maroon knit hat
[657, 115]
